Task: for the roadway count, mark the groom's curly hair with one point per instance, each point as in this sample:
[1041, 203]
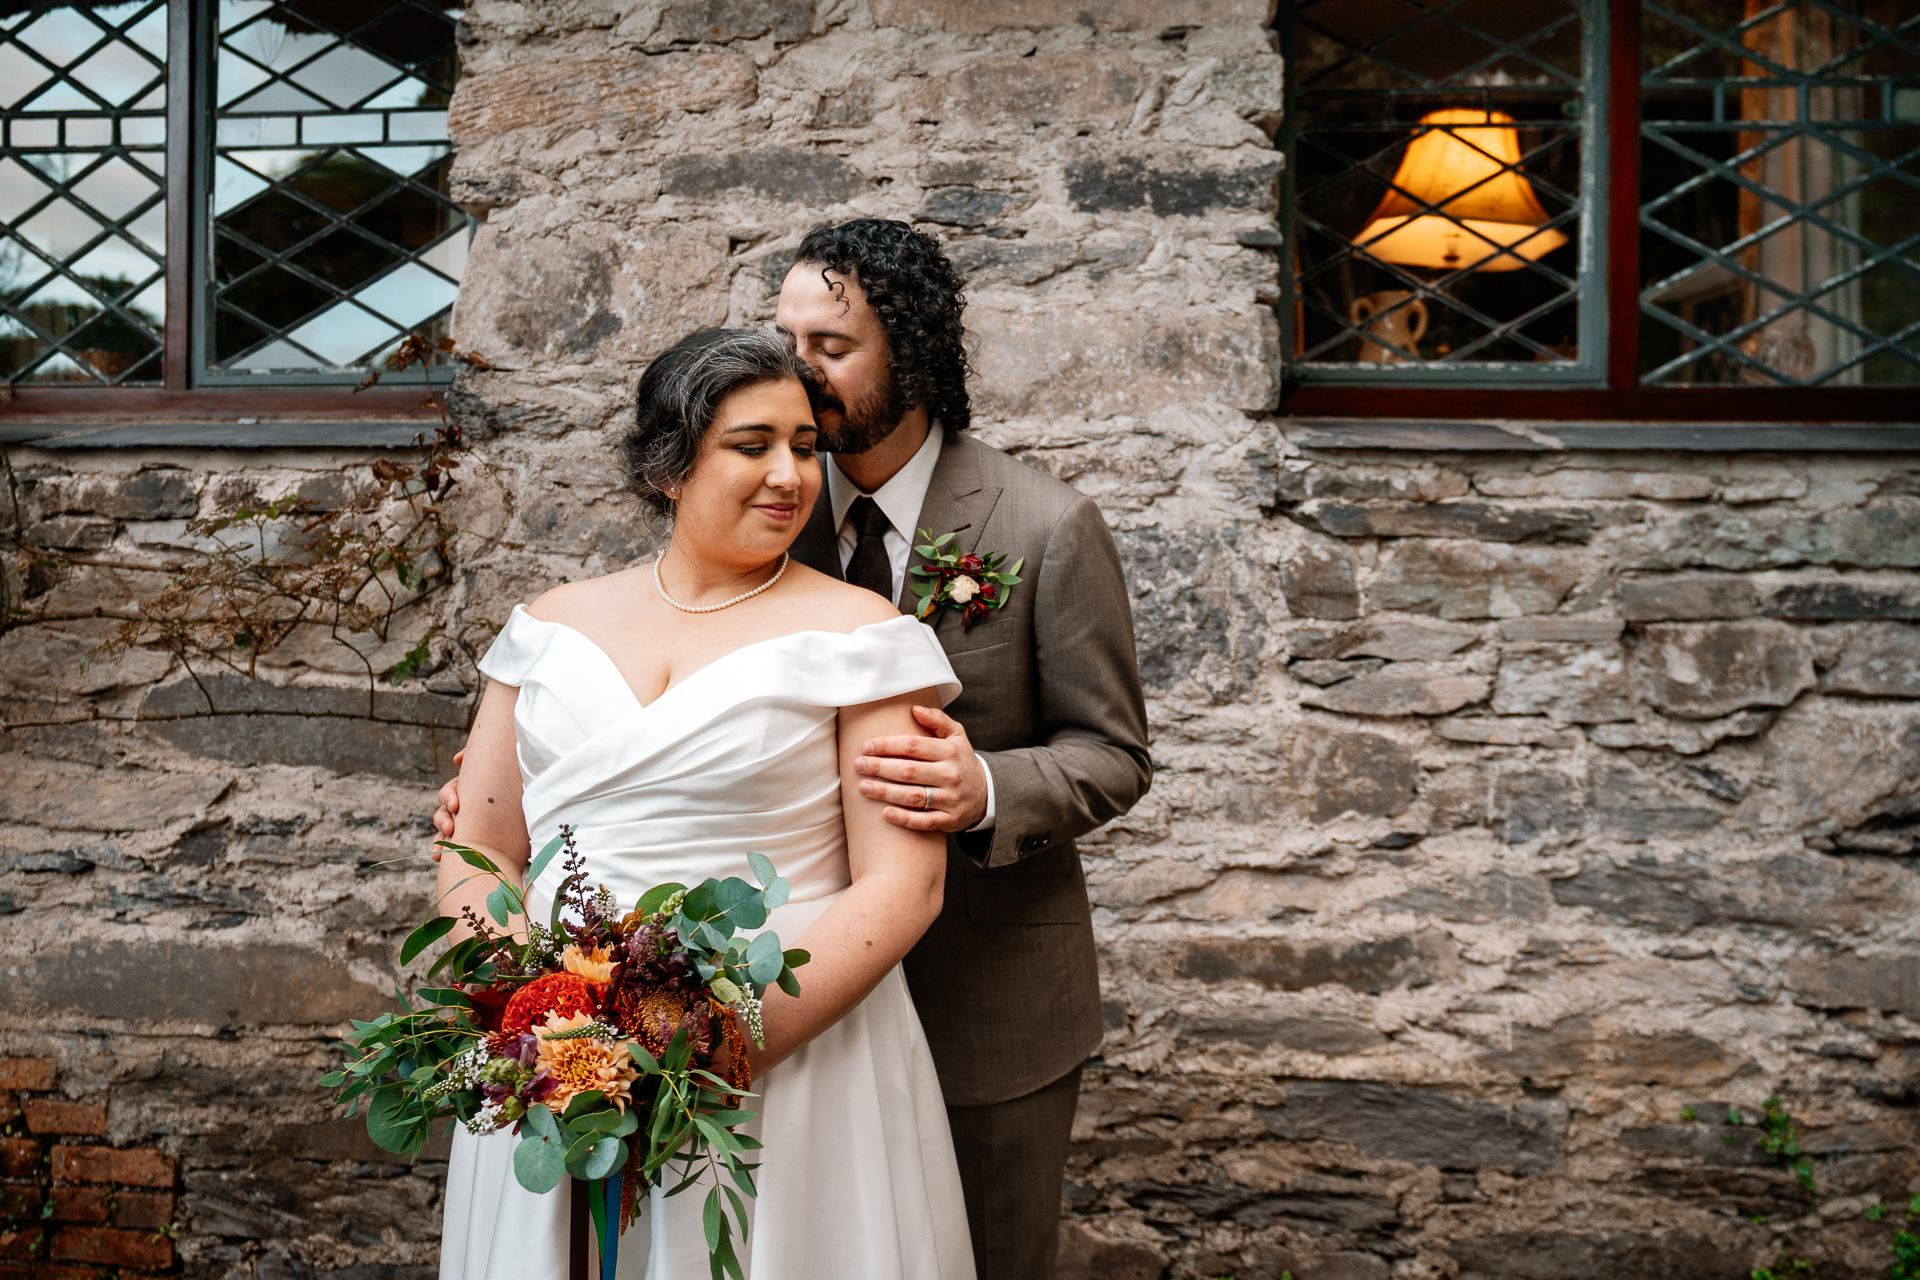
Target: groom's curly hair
[918, 296]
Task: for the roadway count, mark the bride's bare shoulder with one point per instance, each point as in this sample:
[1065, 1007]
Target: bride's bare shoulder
[587, 598]
[833, 605]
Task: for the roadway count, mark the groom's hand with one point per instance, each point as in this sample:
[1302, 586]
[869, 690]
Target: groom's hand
[449, 803]
[899, 770]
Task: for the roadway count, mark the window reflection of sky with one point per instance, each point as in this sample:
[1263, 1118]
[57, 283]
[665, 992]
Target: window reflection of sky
[287, 99]
[63, 68]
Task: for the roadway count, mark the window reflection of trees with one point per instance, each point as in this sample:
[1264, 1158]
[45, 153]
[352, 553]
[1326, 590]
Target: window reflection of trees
[1777, 169]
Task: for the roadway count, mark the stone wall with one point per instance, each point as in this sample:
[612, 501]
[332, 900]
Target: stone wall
[1518, 811]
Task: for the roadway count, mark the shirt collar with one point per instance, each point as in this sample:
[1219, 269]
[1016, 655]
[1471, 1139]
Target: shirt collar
[900, 498]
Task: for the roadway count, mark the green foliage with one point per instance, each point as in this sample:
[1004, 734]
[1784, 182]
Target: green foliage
[681, 1117]
[1780, 1138]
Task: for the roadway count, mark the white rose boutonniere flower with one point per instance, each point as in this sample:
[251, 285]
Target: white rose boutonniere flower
[974, 584]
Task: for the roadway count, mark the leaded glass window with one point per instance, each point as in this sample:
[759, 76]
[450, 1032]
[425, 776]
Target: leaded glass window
[83, 110]
[1780, 176]
[1441, 153]
[332, 232]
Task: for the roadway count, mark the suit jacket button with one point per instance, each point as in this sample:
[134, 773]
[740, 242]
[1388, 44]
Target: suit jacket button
[1033, 844]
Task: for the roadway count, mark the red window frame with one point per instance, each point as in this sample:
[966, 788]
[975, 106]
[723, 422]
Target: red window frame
[1623, 398]
[176, 398]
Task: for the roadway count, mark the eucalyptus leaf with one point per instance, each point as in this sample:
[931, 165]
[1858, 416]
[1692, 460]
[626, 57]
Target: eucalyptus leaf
[762, 869]
[653, 899]
[390, 1121]
[788, 983]
[710, 1218]
[499, 905]
[725, 992]
[764, 960]
[597, 1122]
[541, 859]
[473, 857]
[539, 1162]
[425, 936]
[581, 1104]
[648, 1064]
[608, 1154]
[541, 1120]
[776, 894]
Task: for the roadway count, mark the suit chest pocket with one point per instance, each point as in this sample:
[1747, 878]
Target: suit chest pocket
[1045, 889]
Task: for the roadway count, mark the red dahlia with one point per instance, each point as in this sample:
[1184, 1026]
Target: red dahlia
[563, 993]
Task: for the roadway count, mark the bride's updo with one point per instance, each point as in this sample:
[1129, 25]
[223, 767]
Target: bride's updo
[679, 394]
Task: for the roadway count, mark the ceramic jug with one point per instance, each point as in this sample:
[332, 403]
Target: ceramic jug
[1385, 324]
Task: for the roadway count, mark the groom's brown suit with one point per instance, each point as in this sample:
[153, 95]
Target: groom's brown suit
[1006, 980]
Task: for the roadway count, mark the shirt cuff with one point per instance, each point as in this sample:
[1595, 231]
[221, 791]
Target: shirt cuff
[986, 823]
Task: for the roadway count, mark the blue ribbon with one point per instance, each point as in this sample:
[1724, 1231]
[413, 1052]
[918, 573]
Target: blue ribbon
[610, 1241]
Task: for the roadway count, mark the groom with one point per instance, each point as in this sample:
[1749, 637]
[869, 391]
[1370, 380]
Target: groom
[1047, 741]
[1054, 741]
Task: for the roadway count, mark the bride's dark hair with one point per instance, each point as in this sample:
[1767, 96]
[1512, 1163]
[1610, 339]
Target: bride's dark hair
[679, 394]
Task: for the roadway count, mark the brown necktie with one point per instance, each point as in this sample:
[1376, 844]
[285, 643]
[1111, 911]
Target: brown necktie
[870, 567]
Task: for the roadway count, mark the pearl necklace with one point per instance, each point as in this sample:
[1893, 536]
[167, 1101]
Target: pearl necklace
[714, 608]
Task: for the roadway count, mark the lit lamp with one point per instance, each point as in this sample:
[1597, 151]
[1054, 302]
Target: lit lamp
[1461, 162]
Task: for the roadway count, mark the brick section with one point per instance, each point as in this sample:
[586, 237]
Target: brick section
[140, 1168]
[79, 1204]
[19, 1244]
[19, 1157]
[143, 1210]
[112, 1246]
[26, 1073]
[50, 1115]
[9, 1107]
[21, 1203]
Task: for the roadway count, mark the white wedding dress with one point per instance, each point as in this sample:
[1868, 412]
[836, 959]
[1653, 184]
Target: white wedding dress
[858, 1176]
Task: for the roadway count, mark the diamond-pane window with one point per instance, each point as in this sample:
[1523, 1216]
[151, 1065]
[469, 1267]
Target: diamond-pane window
[1440, 155]
[83, 193]
[1780, 178]
[332, 232]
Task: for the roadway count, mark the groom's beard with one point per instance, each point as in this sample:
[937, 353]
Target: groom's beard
[867, 421]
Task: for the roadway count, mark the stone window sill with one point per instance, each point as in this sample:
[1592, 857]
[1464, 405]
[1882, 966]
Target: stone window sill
[1586, 437]
[216, 435]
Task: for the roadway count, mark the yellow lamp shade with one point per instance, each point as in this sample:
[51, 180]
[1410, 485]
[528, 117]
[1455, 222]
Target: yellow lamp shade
[1464, 163]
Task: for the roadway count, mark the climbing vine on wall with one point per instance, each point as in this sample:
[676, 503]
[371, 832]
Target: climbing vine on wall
[258, 571]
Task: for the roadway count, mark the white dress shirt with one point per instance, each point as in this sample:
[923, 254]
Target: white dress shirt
[900, 500]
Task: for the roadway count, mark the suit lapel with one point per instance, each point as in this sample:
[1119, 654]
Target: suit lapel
[818, 546]
[956, 500]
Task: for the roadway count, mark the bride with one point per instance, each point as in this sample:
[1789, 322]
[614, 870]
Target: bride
[681, 714]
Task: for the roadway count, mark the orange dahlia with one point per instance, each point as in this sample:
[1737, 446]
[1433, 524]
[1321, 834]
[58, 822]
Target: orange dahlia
[584, 1064]
[566, 994]
[595, 965]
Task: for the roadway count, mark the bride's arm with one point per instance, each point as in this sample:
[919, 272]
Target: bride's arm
[898, 876]
[491, 820]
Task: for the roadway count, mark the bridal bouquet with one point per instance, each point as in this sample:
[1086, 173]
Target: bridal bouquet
[595, 1039]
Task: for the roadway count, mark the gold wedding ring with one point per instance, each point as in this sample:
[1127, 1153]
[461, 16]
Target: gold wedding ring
[928, 802]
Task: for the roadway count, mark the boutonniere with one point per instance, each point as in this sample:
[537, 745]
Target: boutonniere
[973, 584]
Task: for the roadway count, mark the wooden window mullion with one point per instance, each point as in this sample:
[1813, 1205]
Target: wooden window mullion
[176, 361]
[1623, 196]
